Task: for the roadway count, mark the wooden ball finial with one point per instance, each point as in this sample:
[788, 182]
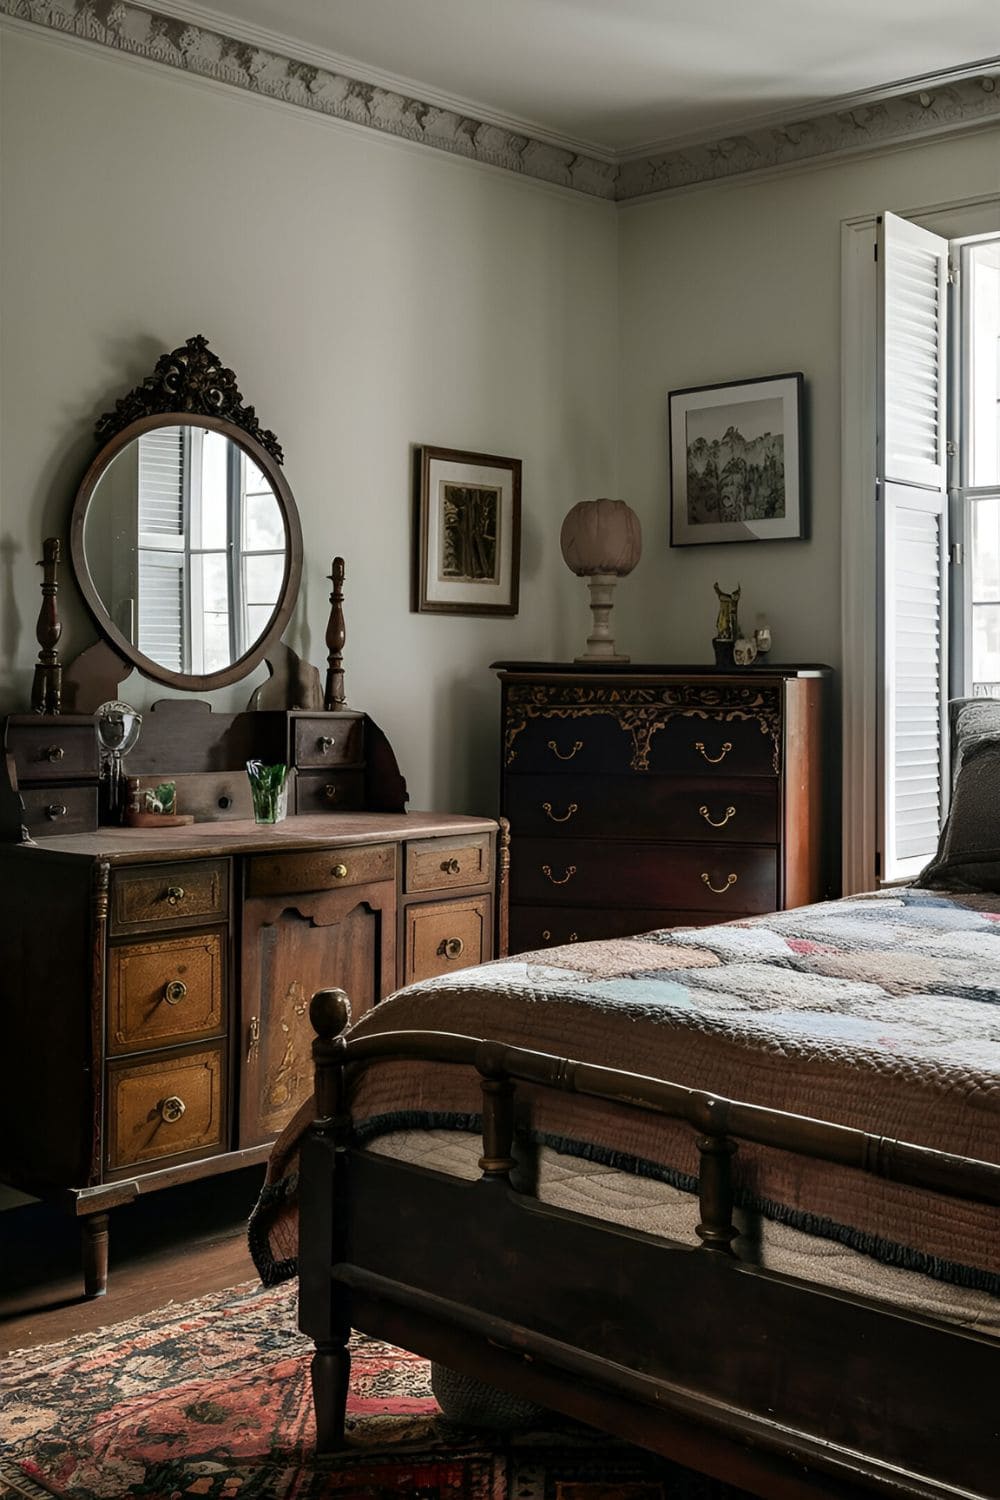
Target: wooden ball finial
[330, 1013]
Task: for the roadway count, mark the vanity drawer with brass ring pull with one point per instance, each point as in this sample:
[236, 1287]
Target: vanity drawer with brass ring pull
[319, 870]
[50, 810]
[329, 791]
[57, 749]
[445, 935]
[437, 864]
[165, 992]
[337, 740]
[145, 897]
[165, 1107]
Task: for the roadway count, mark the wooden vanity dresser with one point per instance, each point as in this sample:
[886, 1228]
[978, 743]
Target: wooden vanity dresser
[156, 984]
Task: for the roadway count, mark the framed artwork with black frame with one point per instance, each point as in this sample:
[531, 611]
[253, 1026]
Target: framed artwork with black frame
[737, 468]
[467, 551]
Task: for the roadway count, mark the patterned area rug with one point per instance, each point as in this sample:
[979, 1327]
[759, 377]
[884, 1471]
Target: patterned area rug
[211, 1399]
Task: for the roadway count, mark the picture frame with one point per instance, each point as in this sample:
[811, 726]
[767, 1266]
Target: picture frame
[736, 461]
[467, 539]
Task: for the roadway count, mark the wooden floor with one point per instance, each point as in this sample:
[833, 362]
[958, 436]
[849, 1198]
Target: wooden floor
[169, 1247]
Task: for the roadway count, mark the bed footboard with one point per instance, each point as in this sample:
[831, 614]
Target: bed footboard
[766, 1382]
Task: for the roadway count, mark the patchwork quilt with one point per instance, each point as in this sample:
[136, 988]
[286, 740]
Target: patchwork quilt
[880, 1012]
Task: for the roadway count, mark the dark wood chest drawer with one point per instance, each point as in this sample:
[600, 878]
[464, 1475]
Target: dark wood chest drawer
[166, 992]
[553, 926]
[59, 809]
[730, 878]
[174, 895]
[165, 1107]
[723, 745]
[319, 870]
[53, 749]
[697, 808]
[334, 741]
[554, 743]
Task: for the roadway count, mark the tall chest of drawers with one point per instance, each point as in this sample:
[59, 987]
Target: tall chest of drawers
[657, 796]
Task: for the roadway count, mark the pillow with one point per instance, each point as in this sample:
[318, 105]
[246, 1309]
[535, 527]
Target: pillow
[968, 851]
[976, 719]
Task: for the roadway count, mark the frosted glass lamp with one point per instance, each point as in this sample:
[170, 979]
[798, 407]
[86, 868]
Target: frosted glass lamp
[601, 541]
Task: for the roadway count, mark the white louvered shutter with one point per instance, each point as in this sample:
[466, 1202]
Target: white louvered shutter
[162, 534]
[913, 511]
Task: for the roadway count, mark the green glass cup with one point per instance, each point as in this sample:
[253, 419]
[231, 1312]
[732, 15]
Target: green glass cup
[268, 791]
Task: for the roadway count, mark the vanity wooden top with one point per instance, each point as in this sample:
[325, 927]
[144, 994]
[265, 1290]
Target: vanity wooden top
[135, 845]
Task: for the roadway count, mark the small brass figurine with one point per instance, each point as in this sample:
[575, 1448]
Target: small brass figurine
[727, 626]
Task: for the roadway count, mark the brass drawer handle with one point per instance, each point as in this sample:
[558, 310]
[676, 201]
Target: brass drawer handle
[175, 894]
[55, 752]
[730, 813]
[174, 991]
[325, 742]
[547, 936]
[171, 1109]
[716, 890]
[451, 867]
[339, 872]
[570, 872]
[330, 792]
[713, 760]
[571, 809]
[577, 745]
[253, 1038]
[56, 810]
[451, 947]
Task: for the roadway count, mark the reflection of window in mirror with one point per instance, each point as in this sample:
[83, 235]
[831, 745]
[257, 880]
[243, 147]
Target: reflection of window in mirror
[211, 553]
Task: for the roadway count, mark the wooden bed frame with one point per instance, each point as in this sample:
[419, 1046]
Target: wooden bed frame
[779, 1386]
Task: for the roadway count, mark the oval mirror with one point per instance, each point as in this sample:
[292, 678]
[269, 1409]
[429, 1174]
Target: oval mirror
[187, 548]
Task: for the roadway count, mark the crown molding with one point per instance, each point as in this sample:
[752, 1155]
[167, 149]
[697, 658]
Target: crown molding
[273, 67]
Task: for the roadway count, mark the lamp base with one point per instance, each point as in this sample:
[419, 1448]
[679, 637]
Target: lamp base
[600, 641]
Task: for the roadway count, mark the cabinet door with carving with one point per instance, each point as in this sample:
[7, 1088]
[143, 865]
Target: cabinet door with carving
[292, 946]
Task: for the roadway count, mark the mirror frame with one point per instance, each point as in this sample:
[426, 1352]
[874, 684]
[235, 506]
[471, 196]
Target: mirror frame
[188, 388]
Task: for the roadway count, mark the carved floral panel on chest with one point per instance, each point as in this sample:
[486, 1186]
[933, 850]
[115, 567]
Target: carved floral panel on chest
[651, 796]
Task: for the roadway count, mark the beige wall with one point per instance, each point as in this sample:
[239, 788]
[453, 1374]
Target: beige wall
[369, 295]
[741, 280]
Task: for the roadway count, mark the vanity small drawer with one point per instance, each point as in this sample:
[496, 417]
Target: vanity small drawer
[319, 870]
[169, 991]
[166, 1107]
[178, 895]
[326, 791]
[49, 810]
[329, 742]
[440, 864]
[445, 935]
[56, 749]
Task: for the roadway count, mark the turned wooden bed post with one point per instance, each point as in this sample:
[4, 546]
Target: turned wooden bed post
[330, 1014]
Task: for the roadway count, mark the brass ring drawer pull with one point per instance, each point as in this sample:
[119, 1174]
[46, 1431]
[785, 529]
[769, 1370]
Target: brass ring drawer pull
[577, 745]
[325, 742]
[175, 894]
[174, 991]
[452, 947]
[717, 890]
[451, 867]
[55, 810]
[730, 813]
[171, 1109]
[570, 872]
[339, 872]
[55, 752]
[330, 792]
[713, 760]
[571, 809]
[547, 936]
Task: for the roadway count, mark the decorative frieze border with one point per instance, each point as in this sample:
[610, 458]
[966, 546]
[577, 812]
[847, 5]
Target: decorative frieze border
[923, 111]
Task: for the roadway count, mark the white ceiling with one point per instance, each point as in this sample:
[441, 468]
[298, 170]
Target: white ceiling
[622, 76]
